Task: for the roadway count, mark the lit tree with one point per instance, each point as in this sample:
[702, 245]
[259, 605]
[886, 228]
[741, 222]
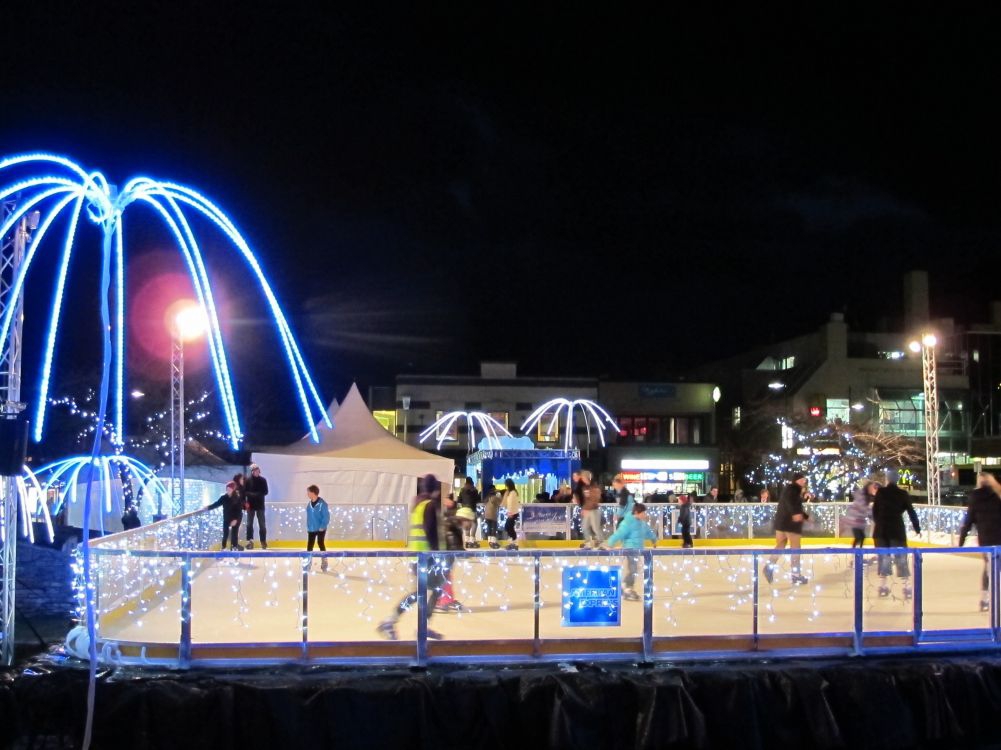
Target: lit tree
[834, 456]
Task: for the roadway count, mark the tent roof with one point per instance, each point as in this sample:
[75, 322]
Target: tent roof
[321, 429]
[356, 434]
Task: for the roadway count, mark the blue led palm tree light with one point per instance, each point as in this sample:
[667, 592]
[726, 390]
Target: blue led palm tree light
[66, 189]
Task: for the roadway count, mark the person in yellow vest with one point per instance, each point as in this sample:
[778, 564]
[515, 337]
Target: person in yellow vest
[422, 537]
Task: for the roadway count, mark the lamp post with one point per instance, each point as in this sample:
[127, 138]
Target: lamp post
[188, 323]
[926, 346]
[406, 411]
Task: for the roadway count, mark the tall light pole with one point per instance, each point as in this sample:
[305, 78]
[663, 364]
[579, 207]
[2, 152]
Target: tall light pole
[926, 346]
[11, 257]
[406, 411]
[188, 322]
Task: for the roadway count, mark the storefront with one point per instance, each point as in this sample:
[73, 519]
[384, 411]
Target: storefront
[659, 472]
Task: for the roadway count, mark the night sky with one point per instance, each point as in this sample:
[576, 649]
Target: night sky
[623, 195]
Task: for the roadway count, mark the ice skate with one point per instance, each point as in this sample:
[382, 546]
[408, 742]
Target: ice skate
[770, 572]
[799, 580]
[387, 629]
[884, 592]
[984, 605]
[264, 545]
[512, 547]
[250, 544]
[630, 595]
[434, 635]
[474, 545]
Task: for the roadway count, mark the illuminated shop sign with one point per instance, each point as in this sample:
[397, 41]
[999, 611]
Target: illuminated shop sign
[663, 476]
[665, 464]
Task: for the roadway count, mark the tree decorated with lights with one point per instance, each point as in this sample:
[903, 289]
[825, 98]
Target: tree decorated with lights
[834, 456]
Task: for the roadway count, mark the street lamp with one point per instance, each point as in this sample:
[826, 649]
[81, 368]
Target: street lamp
[187, 321]
[406, 411]
[926, 346]
[717, 394]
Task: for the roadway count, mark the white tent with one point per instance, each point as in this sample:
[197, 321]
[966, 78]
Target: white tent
[358, 461]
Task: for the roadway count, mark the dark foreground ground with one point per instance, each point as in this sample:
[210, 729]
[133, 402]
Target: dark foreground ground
[949, 702]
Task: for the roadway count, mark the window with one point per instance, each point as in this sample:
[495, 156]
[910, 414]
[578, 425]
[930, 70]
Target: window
[736, 418]
[451, 434]
[474, 405]
[696, 431]
[891, 354]
[548, 428]
[625, 427]
[683, 434]
[500, 416]
[787, 363]
[838, 408]
[788, 437]
[387, 418]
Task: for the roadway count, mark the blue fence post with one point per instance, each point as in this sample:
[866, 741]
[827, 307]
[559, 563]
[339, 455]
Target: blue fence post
[306, 563]
[755, 593]
[857, 622]
[423, 561]
[537, 602]
[918, 606]
[647, 605]
[995, 618]
[184, 649]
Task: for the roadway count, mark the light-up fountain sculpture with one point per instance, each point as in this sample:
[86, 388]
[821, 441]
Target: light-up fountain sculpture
[591, 412]
[53, 190]
[490, 427]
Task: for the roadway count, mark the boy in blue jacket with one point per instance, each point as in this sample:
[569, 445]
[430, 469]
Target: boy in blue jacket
[317, 519]
[632, 534]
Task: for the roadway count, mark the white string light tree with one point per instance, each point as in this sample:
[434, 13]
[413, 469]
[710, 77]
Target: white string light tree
[593, 414]
[489, 427]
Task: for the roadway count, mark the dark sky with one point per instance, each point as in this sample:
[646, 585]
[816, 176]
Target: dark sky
[587, 193]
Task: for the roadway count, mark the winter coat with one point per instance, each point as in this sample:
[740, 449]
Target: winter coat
[512, 501]
[857, 514]
[790, 504]
[232, 507]
[469, 497]
[888, 510]
[592, 497]
[317, 515]
[685, 514]
[255, 489]
[632, 533]
[625, 503]
[984, 512]
[491, 506]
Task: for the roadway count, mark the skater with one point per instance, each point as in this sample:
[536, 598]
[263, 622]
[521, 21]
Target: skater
[469, 497]
[789, 518]
[512, 502]
[452, 530]
[623, 499]
[317, 520]
[422, 537]
[632, 535]
[764, 496]
[888, 507]
[232, 514]
[491, 507]
[590, 513]
[256, 489]
[685, 520]
[858, 512]
[984, 512]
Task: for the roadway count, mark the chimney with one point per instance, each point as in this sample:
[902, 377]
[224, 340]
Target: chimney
[915, 300]
[836, 337]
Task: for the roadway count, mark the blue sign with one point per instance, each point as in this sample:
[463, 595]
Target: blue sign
[543, 519]
[591, 596]
[658, 390]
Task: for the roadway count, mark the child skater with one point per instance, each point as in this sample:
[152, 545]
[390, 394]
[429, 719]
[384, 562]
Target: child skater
[632, 535]
[490, 510]
[317, 520]
[232, 514]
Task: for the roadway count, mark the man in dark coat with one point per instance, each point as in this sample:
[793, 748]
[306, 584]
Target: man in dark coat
[255, 490]
[888, 508]
[789, 518]
[984, 512]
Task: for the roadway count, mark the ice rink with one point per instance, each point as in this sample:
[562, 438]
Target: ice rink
[257, 598]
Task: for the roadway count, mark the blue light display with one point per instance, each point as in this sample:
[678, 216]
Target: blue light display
[592, 596]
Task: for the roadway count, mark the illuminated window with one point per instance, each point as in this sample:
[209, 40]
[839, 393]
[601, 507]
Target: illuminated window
[838, 408]
[625, 427]
[788, 437]
[548, 428]
[451, 434]
[892, 354]
[787, 363]
[736, 417]
[500, 416]
[387, 418]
